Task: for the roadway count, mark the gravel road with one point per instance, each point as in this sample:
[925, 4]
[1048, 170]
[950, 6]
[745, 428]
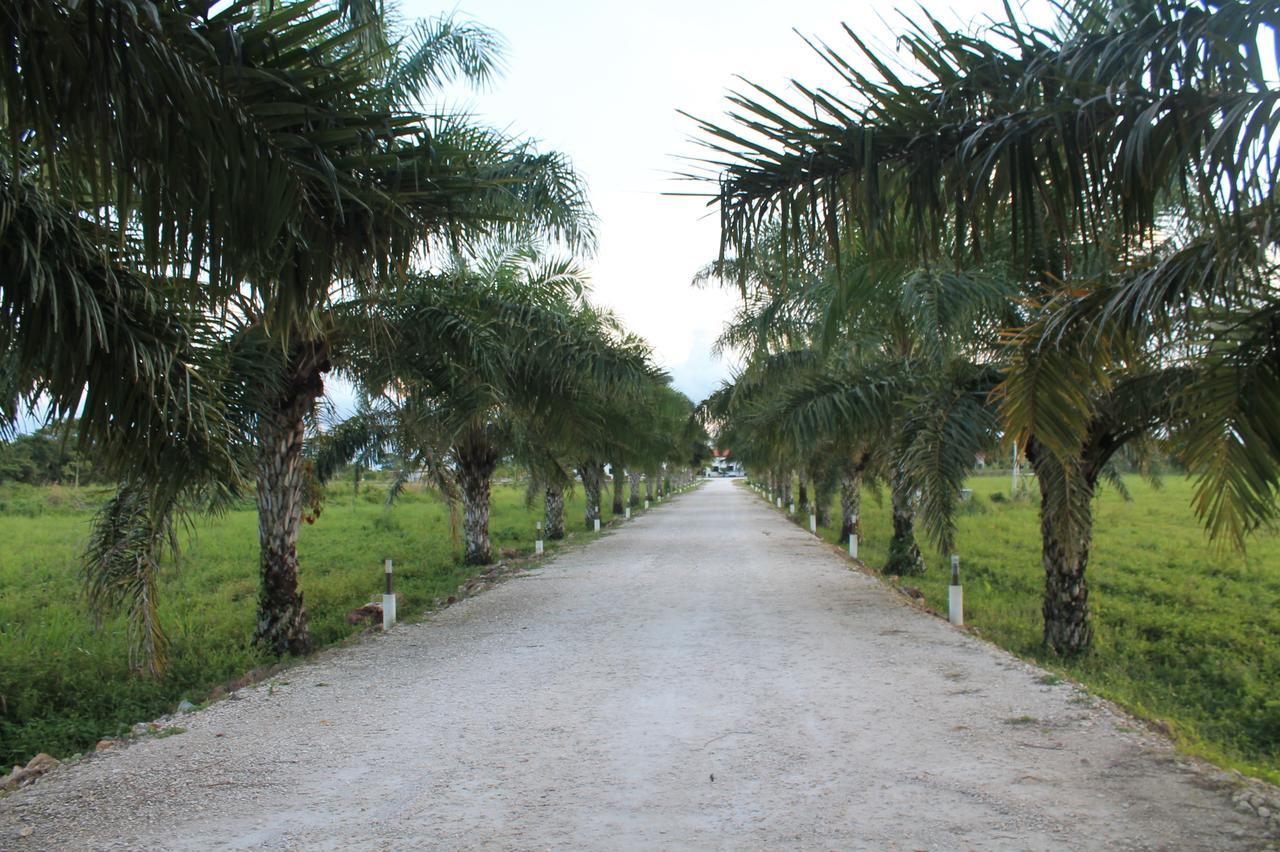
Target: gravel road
[707, 676]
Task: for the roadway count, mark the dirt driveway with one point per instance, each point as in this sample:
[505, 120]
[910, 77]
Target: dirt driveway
[708, 676]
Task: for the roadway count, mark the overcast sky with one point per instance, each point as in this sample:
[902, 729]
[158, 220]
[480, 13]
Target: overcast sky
[602, 83]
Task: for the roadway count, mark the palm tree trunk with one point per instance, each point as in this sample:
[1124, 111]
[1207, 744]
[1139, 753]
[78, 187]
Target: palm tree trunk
[635, 498]
[804, 494]
[592, 475]
[786, 491]
[850, 503]
[904, 553]
[648, 486]
[617, 489]
[1066, 593]
[553, 503]
[282, 618]
[476, 459]
[475, 518]
[1065, 538]
[822, 483]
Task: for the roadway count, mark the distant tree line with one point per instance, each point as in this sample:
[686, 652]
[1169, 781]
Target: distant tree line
[48, 456]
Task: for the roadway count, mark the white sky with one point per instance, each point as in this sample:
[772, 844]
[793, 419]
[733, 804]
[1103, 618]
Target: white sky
[602, 82]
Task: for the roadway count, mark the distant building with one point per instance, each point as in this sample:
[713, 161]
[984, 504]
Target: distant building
[722, 464]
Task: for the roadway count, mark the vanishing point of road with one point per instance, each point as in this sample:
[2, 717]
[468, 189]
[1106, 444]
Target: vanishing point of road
[705, 676]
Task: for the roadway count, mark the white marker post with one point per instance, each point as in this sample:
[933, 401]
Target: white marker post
[1013, 484]
[813, 523]
[646, 505]
[955, 595]
[779, 503]
[388, 599]
[626, 513]
[596, 523]
[853, 545]
[793, 508]
[537, 544]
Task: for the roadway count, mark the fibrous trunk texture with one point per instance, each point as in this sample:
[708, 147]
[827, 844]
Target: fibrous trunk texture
[476, 459]
[823, 485]
[850, 503]
[617, 489]
[592, 477]
[786, 491]
[1065, 537]
[282, 618]
[904, 553]
[634, 492]
[803, 503]
[553, 504]
[648, 487]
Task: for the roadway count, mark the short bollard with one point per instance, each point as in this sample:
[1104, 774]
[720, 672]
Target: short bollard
[537, 544]
[779, 502]
[388, 599]
[813, 523]
[646, 505]
[853, 545]
[955, 595]
[596, 524]
[626, 513]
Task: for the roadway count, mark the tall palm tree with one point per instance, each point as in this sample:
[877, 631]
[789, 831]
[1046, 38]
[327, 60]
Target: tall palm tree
[417, 183]
[297, 166]
[1071, 144]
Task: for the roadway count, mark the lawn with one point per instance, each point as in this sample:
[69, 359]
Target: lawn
[65, 681]
[1184, 633]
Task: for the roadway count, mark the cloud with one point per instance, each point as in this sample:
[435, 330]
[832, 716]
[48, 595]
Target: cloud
[701, 373]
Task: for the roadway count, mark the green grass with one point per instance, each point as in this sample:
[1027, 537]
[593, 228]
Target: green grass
[65, 681]
[1184, 634]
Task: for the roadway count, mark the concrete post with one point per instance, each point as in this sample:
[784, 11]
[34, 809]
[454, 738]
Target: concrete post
[388, 599]
[955, 594]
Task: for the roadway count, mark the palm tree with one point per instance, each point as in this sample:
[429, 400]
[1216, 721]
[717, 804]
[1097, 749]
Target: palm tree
[495, 357]
[296, 167]
[855, 360]
[403, 183]
[1070, 142]
[157, 234]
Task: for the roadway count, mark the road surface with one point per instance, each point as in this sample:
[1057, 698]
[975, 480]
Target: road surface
[706, 676]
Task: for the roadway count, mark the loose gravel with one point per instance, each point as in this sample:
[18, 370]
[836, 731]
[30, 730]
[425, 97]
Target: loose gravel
[706, 676]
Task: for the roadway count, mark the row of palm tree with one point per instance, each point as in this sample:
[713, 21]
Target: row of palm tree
[1061, 238]
[205, 209]
[502, 357]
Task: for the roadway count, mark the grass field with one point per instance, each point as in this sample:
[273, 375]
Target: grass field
[64, 681]
[1183, 634]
